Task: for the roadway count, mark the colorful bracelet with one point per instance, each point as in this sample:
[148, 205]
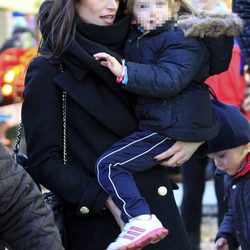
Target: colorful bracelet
[120, 78]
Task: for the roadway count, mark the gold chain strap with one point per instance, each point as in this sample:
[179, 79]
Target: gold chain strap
[64, 112]
[64, 109]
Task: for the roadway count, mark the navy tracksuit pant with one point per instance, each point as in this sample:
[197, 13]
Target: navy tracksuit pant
[116, 167]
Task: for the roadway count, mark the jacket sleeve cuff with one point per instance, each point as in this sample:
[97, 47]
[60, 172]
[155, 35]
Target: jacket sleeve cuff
[93, 202]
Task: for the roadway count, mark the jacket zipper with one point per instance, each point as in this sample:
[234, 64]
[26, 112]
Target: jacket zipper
[139, 38]
[245, 210]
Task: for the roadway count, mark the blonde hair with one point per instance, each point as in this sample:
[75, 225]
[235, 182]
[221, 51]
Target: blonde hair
[185, 7]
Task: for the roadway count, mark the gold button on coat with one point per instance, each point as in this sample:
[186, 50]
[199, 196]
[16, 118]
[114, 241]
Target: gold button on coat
[162, 190]
[84, 210]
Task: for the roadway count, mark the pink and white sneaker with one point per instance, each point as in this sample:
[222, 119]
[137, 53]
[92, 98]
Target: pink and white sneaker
[138, 233]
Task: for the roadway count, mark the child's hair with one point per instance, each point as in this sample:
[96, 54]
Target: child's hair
[185, 7]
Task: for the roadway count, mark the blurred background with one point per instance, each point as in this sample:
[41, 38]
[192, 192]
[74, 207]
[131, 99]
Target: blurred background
[18, 44]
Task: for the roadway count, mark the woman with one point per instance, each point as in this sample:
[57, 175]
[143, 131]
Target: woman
[98, 114]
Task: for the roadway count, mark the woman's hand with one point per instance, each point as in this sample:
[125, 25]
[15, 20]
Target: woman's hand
[116, 212]
[109, 62]
[178, 154]
[221, 244]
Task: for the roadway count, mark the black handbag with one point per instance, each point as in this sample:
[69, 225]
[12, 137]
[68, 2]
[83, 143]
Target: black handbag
[51, 199]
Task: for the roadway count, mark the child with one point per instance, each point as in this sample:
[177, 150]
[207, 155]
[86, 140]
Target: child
[230, 150]
[173, 71]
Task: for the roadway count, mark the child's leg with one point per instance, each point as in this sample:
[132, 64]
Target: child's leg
[115, 169]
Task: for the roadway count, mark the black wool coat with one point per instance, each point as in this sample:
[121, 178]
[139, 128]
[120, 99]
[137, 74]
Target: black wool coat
[96, 118]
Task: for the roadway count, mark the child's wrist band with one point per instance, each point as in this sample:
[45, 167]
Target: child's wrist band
[120, 78]
[125, 79]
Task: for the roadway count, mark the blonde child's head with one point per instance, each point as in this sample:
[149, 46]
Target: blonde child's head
[231, 160]
[151, 14]
[232, 144]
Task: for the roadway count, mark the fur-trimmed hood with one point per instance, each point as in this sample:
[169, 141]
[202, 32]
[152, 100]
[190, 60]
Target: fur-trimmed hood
[211, 24]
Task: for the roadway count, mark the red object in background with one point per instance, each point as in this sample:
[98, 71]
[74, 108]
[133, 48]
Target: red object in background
[13, 64]
[230, 86]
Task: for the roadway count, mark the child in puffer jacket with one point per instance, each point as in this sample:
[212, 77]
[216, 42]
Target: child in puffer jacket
[230, 150]
[171, 65]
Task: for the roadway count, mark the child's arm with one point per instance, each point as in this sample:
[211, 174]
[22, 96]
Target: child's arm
[227, 230]
[221, 244]
[174, 70]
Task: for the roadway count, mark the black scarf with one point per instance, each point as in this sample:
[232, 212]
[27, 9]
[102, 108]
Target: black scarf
[90, 39]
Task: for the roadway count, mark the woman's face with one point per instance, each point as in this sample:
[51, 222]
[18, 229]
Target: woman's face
[99, 12]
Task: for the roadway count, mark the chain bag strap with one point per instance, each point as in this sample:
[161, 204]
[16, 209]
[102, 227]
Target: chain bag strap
[21, 158]
[18, 138]
[64, 113]
[64, 109]
[54, 201]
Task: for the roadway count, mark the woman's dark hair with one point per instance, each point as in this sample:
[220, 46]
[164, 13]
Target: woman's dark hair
[56, 22]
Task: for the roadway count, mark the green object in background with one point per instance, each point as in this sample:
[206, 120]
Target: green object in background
[12, 132]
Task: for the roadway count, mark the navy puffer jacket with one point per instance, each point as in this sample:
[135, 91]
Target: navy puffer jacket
[235, 226]
[177, 63]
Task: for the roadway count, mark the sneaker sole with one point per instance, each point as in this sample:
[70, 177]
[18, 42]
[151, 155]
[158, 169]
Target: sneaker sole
[150, 238]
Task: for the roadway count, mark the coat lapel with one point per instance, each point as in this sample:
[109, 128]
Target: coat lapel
[99, 102]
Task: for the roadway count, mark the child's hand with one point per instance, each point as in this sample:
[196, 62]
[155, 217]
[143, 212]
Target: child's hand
[221, 244]
[109, 62]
